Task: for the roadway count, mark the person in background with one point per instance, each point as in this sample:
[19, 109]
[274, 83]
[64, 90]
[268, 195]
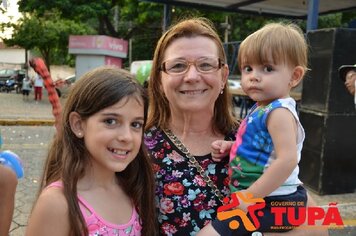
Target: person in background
[38, 85]
[8, 183]
[26, 88]
[41, 69]
[348, 74]
[190, 106]
[98, 178]
[264, 158]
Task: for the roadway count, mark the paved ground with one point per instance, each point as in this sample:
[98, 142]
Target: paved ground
[21, 133]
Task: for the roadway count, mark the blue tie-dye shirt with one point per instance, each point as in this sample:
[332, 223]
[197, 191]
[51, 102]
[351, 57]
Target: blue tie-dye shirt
[253, 150]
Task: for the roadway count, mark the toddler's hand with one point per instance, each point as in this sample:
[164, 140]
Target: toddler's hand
[220, 149]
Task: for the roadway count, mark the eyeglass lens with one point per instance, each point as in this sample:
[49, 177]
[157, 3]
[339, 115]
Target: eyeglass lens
[203, 65]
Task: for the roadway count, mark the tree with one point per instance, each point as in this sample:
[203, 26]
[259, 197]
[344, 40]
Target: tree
[138, 21]
[46, 34]
[100, 13]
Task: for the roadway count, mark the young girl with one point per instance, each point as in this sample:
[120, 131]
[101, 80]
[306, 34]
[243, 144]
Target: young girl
[98, 179]
[26, 88]
[264, 158]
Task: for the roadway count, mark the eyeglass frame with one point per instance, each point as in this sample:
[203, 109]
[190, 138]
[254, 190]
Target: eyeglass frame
[220, 65]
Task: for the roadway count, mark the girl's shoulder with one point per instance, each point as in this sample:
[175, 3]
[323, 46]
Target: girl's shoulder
[53, 198]
[50, 206]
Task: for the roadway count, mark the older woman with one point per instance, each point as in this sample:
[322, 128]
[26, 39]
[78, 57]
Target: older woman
[190, 107]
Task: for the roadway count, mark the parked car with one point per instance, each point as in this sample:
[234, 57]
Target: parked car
[12, 74]
[63, 85]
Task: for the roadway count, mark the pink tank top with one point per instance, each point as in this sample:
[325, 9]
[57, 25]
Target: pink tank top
[98, 226]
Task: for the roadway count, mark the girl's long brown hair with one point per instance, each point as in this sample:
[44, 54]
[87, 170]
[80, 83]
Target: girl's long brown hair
[68, 156]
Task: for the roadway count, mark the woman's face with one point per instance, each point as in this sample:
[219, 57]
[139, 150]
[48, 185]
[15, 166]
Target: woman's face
[193, 91]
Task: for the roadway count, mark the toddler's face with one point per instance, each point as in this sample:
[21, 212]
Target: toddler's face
[266, 82]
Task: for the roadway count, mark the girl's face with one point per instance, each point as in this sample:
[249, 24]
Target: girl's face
[193, 91]
[264, 83]
[113, 135]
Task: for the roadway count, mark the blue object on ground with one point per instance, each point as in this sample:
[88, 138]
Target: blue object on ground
[13, 161]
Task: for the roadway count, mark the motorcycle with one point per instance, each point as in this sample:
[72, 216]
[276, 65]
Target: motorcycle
[10, 85]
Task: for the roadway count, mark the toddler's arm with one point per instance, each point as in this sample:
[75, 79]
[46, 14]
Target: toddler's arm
[220, 149]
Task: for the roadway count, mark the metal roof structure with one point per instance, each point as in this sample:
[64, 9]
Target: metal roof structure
[281, 8]
[296, 9]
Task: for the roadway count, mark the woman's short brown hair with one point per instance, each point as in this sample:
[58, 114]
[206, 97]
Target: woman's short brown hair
[159, 111]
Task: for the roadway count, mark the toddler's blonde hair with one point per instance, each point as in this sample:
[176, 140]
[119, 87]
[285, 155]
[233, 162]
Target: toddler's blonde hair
[284, 42]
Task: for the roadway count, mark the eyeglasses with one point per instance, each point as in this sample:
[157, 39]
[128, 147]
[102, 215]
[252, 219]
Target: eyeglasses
[203, 65]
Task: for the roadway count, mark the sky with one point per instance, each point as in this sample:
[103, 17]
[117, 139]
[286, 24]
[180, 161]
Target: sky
[11, 14]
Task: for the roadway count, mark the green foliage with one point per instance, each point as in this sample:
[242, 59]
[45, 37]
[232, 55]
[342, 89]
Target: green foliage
[78, 10]
[139, 21]
[347, 17]
[70, 9]
[330, 21]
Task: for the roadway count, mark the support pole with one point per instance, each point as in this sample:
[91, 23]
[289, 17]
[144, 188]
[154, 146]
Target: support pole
[313, 12]
[166, 17]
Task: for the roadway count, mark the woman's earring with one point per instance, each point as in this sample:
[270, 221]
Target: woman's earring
[79, 135]
[222, 91]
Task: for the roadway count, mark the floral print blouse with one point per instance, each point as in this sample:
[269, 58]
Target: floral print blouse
[185, 202]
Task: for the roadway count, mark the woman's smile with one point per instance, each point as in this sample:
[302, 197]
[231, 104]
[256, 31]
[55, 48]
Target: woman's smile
[193, 92]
